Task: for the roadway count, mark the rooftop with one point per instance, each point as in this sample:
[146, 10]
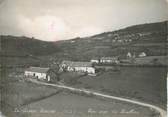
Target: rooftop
[77, 64]
[38, 69]
[108, 58]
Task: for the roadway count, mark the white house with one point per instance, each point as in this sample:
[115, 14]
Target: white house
[109, 60]
[142, 54]
[38, 72]
[129, 55]
[85, 67]
[94, 60]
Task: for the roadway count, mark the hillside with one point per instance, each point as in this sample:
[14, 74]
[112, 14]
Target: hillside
[148, 38]
[24, 51]
[26, 46]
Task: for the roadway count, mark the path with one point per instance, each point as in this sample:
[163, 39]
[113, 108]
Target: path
[160, 110]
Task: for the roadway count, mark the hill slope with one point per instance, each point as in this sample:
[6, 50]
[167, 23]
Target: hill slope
[25, 45]
[24, 51]
[149, 38]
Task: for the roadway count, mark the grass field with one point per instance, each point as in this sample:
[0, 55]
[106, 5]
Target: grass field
[143, 83]
[66, 104]
[16, 94]
[146, 84]
[161, 60]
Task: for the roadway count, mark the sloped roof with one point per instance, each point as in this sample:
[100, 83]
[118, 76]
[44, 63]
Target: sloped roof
[108, 58]
[77, 64]
[38, 69]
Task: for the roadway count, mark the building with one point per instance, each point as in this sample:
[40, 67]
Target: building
[85, 67]
[142, 54]
[95, 60]
[39, 73]
[133, 55]
[129, 55]
[112, 60]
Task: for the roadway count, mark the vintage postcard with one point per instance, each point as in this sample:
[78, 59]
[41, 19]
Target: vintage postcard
[83, 58]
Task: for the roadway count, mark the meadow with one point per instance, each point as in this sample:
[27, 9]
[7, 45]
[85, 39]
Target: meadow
[147, 84]
[68, 104]
[17, 92]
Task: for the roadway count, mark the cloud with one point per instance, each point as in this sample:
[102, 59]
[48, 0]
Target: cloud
[53, 20]
[49, 28]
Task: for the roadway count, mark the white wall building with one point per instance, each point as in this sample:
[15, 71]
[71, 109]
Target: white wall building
[94, 61]
[37, 72]
[109, 60]
[78, 66]
[129, 55]
[142, 54]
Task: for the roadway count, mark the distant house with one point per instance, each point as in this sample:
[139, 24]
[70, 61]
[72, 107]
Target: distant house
[142, 54]
[95, 60]
[39, 73]
[109, 60]
[85, 67]
[129, 55]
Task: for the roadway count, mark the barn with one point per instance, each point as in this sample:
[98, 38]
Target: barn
[39, 73]
[85, 67]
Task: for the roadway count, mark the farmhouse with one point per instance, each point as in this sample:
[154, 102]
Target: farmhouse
[85, 67]
[39, 73]
[109, 60]
[142, 54]
[129, 55]
[95, 60]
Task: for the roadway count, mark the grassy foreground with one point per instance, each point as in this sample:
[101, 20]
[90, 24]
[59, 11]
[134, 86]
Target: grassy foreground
[146, 84]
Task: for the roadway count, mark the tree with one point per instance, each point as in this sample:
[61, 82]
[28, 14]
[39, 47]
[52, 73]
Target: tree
[55, 68]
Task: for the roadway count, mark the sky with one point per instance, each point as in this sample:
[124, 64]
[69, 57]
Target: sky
[53, 20]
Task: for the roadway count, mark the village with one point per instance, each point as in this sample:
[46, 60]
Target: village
[91, 68]
[83, 58]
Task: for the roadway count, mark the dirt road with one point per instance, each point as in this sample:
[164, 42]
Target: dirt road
[158, 109]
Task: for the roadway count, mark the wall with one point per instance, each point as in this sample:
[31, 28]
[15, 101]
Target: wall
[39, 75]
[82, 69]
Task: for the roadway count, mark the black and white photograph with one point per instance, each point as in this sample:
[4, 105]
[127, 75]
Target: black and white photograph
[83, 58]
